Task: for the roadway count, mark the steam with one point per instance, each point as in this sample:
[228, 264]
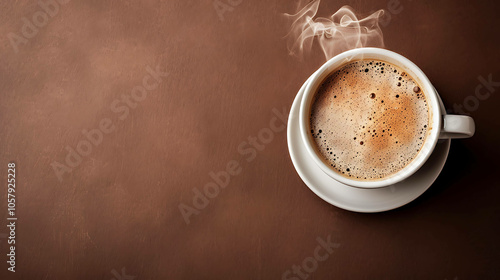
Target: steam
[340, 32]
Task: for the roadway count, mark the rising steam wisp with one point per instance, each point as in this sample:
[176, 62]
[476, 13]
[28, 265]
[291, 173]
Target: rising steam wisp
[340, 32]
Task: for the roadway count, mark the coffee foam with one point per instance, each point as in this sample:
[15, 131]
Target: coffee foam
[369, 119]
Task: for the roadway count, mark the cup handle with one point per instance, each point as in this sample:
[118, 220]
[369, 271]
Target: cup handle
[457, 126]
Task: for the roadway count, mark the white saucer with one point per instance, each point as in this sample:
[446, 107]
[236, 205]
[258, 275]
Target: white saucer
[356, 199]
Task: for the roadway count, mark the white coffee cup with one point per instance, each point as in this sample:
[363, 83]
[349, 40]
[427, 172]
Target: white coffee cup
[441, 125]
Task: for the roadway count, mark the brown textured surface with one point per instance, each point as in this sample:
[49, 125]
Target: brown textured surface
[119, 207]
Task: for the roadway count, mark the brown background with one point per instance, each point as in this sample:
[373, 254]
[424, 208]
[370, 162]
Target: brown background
[119, 207]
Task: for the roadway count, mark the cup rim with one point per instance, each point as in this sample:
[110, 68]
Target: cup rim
[394, 58]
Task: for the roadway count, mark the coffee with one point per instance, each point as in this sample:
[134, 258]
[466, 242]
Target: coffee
[369, 119]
